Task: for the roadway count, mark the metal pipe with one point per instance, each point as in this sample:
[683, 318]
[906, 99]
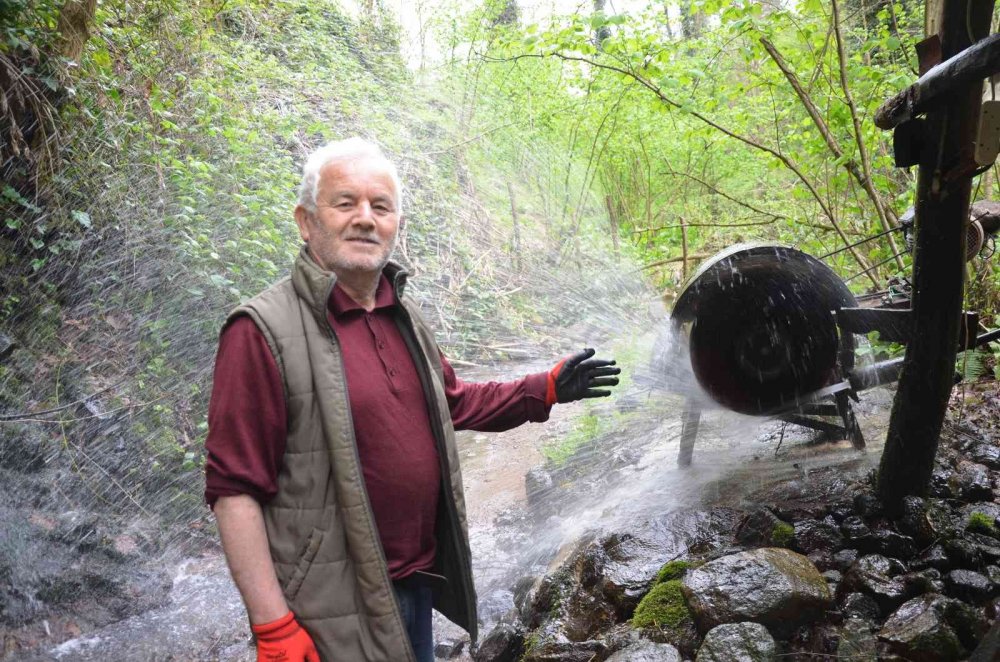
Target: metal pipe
[988, 337]
[884, 372]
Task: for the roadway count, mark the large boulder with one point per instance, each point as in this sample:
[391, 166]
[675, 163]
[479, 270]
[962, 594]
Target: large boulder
[772, 586]
[932, 628]
[738, 642]
[646, 651]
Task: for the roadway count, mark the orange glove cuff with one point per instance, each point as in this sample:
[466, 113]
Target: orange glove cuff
[284, 640]
[282, 628]
[550, 386]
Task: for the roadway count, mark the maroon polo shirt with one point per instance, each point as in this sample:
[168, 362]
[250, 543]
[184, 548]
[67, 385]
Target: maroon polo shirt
[247, 421]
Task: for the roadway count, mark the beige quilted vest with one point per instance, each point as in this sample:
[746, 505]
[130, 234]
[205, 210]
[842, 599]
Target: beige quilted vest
[320, 527]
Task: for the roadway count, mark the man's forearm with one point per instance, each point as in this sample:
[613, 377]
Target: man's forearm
[244, 541]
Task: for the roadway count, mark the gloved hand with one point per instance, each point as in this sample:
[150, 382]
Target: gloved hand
[284, 640]
[577, 377]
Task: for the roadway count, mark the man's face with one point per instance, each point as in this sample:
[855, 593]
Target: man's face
[354, 227]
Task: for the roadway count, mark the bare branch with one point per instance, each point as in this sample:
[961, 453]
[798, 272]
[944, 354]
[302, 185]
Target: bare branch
[859, 136]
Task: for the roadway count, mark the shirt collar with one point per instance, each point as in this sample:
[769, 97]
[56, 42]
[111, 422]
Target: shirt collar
[341, 303]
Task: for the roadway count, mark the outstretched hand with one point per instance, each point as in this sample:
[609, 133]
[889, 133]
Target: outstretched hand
[580, 376]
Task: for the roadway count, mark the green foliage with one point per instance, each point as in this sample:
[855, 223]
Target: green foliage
[663, 607]
[27, 25]
[586, 429]
[782, 534]
[648, 116]
[981, 523]
[972, 364]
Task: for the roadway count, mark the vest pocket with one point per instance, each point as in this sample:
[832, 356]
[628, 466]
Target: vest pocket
[291, 589]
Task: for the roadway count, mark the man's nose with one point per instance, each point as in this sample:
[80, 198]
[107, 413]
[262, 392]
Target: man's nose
[365, 215]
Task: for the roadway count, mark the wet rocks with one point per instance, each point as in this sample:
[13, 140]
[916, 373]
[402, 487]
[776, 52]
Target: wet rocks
[646, 651]
[855, 642]
[504, 642]
[22, 449]
[876, 576]
[859, 605]
[969, 585]
[538, 485]
[932, 628]
[818, 536]
[989, 648]
[772, 586]
[934, 557]
[889, 543]
[971, 482]
[855, 530]
[7, 346]
[448, 648]
[758, 528]
[738, 642]
[556, 650]
[985, 453]
[914, 520]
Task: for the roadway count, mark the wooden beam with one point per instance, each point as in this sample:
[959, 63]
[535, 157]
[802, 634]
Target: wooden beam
[939, 85]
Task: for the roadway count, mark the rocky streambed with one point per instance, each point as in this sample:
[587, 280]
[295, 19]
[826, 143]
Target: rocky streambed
[803, 568]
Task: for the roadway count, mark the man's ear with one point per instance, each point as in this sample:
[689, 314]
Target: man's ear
[302, 219]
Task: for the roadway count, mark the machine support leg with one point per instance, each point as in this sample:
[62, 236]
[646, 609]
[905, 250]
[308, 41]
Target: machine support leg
[850, 421]
[690, 418]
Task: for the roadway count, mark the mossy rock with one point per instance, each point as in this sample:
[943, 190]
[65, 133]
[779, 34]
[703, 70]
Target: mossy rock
[672, 570]
[782, 534]
[665, 615]
[981, 523]
[664, 607]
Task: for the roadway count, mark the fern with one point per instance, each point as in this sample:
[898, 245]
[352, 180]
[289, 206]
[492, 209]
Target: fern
[971, 364]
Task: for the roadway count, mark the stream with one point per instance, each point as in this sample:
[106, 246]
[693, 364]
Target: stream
[630, 482]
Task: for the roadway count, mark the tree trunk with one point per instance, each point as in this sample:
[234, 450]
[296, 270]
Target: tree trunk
[944, 186]
[517, 227]
[602, 32]
[74, 27]
[510, 14]
[613, 222]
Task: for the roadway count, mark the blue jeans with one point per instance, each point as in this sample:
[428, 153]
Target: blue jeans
[416, 599]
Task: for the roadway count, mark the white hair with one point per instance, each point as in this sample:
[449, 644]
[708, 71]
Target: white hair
[343, 150]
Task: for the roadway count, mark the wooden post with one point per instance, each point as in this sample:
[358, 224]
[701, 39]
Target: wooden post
[517, 226]
[944, 185]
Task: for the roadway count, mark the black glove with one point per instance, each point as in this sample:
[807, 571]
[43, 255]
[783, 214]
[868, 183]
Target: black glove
[579, 377]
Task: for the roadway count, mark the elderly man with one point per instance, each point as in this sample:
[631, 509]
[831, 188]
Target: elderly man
[332, 467]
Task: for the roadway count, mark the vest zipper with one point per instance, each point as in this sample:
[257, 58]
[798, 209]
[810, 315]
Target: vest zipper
[383, 566]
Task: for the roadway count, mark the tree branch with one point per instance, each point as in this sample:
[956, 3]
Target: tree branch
[859, 136]
[785, 160]
[852, 167]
